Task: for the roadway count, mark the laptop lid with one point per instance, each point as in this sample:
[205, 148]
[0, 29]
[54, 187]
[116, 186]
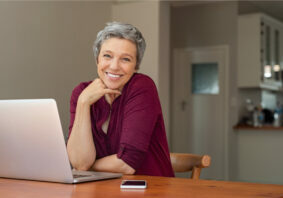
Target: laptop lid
[32, 144]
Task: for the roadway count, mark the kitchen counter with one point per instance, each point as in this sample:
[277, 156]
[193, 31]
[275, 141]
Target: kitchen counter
[264, 127]
[259, 154]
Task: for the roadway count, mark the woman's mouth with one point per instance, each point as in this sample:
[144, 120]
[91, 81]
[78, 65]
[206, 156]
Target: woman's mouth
[111, 75]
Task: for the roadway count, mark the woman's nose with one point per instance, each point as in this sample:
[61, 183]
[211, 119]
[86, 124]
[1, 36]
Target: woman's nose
[114, 65]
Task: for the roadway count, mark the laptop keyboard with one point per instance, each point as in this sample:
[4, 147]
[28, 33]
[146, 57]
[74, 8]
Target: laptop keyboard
[77, 175]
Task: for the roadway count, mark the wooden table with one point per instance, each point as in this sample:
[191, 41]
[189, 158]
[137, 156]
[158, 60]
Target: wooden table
[157, 187]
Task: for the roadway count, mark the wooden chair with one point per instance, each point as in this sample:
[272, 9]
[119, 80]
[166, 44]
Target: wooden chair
[185, 162]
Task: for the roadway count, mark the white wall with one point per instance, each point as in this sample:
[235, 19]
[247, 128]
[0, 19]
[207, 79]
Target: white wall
[46, 48]
[209, 24]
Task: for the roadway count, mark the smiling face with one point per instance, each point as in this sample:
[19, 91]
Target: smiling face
[116, 62]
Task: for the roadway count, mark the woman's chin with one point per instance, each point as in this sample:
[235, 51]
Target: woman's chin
[114, 87]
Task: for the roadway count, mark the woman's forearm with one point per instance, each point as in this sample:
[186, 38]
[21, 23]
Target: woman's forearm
[80, 147]
[112, 163]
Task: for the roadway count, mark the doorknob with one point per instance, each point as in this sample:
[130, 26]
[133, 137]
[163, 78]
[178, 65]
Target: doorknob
[183, 105]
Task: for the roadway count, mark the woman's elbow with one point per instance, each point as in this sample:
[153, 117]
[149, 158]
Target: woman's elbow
[129, 170]
[81, 164]
[82, 167]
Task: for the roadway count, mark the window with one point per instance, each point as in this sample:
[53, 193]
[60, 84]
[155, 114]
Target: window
[205, 78]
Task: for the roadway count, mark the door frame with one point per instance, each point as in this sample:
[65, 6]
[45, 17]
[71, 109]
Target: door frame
[225, 49]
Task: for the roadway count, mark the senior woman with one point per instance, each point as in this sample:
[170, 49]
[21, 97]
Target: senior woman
[116, 120]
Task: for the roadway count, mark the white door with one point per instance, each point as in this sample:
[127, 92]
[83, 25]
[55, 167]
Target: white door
[199, 106]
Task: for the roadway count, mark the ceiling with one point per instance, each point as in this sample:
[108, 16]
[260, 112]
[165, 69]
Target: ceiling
[272, 8]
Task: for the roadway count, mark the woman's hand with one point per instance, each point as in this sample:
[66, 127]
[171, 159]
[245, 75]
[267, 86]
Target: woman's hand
[95, 91]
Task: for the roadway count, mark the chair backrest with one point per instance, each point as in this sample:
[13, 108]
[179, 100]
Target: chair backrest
[185, 162]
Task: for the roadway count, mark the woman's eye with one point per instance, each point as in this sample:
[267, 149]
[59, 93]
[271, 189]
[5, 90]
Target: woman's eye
[126, 59]
[107, 56]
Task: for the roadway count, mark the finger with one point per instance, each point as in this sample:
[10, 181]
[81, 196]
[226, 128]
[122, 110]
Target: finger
[101, 83]
[112, 91]
[98, 82]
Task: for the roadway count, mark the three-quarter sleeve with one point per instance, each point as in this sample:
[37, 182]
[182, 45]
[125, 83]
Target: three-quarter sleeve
[141, 112]
[73, 103]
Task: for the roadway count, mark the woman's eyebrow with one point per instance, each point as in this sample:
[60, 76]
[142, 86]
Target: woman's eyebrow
[107, 51]
[126, 54]
[123, 54]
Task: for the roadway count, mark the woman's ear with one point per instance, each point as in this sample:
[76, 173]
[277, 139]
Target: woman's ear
[136, 69]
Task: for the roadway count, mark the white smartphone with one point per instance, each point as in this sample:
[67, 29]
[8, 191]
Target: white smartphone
[137, 184]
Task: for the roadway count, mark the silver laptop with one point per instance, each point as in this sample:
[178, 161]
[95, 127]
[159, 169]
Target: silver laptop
[32, 144]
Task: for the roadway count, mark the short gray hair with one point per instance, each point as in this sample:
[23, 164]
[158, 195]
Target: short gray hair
[123, 31]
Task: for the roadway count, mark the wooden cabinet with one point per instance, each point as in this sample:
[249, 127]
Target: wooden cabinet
[260, 52]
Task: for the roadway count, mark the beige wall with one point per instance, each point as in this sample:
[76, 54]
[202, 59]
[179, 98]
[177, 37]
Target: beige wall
[46, 48]
[134, 13]
[164, 63]
[153, 20]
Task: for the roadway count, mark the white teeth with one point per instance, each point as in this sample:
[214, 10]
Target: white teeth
[113, 75]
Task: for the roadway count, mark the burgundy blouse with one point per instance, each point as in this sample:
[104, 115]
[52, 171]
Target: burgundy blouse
[136, 131]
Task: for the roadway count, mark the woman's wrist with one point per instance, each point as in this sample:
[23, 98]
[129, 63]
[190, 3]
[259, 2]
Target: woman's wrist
[84, 101]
